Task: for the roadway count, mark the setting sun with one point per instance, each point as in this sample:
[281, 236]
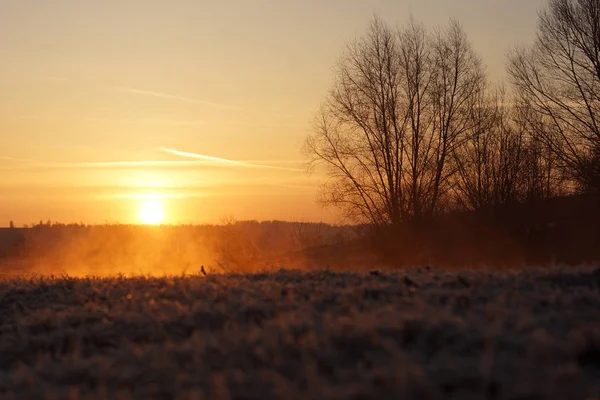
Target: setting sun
[151, 212]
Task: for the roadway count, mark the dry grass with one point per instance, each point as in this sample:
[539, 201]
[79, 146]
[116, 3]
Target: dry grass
[423, 334]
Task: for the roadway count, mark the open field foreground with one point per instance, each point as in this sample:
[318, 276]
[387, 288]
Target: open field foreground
[423, 334]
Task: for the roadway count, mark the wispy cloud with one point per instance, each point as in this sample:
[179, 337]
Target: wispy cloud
[149, 93]
[57, 79]
[199, 164]
[169, 96]
[108, 165]
[244, 164]
[221, 187]
[149, 120]
[19, 160]
[194, 161]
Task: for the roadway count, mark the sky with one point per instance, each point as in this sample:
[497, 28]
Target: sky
[202, 106]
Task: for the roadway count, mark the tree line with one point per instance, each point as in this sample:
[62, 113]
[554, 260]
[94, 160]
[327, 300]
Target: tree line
[412, 127]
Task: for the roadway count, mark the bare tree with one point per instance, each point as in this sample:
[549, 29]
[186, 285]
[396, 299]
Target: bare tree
[399, 107]
[459, 85]
[487, 160]
[541, 172]
[500, 163]
[558, 80]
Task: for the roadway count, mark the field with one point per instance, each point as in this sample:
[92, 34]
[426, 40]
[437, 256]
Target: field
[420, 333]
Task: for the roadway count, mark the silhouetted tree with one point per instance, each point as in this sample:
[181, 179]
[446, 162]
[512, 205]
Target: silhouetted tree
[589, 178]
[11, 225]
[542, 174]
[500, 163]
[400, 106]
[558, 80]
[490, 161]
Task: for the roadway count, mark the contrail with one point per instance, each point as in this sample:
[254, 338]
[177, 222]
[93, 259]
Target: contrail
[224, 160]
[200, 156]
[168, 96]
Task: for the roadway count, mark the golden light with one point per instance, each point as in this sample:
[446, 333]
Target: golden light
[151, 212]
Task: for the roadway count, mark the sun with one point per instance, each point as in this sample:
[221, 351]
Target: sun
[151, 212]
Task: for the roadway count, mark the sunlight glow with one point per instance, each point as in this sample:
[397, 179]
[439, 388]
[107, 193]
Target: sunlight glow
[151, 212]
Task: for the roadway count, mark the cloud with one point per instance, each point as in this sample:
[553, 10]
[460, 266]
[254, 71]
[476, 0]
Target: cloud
[244, 164]
[150, 93]
[57, 79]
[110, 165]
[168, 96]
[195, 161]
[19, 160]
[199, 164]
[200, 156]
[223, 187]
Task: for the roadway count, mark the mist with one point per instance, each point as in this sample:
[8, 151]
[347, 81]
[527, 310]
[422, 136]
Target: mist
[132, 250]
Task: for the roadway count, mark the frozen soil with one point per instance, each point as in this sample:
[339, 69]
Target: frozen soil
[422, 334]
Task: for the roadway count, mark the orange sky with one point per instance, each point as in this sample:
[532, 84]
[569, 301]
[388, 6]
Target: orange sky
[203, 104]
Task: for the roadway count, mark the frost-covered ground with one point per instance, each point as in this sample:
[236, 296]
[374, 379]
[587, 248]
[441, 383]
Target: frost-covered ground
[422, 334]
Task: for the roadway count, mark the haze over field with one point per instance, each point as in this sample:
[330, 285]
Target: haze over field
[187, 111]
